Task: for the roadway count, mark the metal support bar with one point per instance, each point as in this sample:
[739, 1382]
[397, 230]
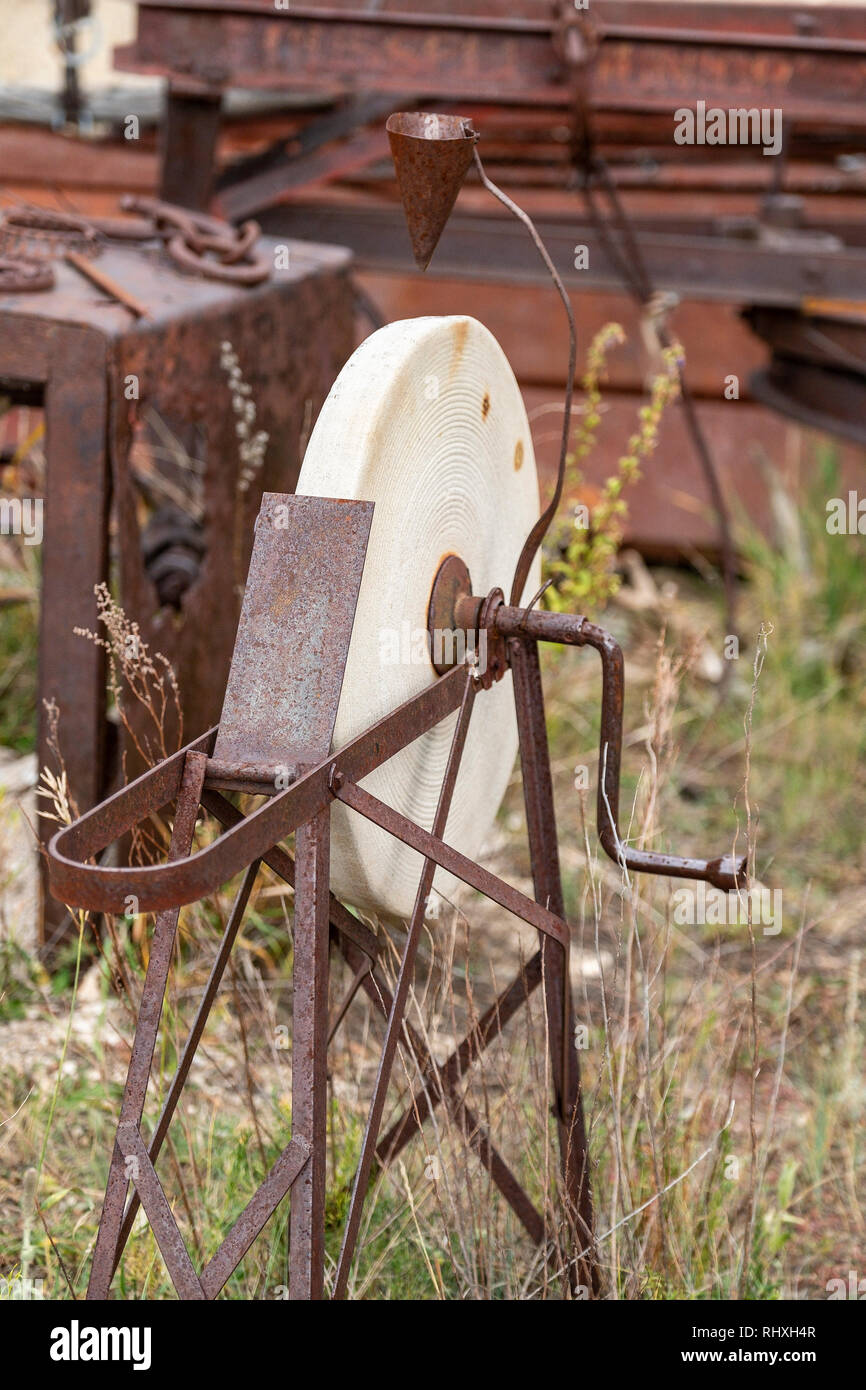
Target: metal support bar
[159, 1213]
[159, 885]
[149, 1012]
[309, 1056]
[475, 1137]
[284, 865]
[695, 265]
[173, 1096]
[451, 859]
[255, 1215]
[654, 65]
[543, 846]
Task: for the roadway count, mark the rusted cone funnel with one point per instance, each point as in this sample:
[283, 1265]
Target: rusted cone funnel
[431, 154]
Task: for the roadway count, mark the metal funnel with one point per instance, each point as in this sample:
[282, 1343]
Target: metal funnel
[431, 154]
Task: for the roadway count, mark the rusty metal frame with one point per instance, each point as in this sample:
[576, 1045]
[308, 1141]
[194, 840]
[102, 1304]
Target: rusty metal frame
[301, 1166]
[505, 45]
[698, 262]
[193, 778]
[810, 62]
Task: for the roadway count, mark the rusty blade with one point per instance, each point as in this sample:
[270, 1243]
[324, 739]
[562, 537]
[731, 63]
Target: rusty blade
[431, 154]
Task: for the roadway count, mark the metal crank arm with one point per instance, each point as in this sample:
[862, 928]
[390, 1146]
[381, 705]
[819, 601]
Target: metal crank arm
[726, 872]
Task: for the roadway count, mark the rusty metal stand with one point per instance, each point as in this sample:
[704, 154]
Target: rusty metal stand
[310, 1056]
[280, 707]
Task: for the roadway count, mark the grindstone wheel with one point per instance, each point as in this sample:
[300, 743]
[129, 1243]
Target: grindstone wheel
[425, 420]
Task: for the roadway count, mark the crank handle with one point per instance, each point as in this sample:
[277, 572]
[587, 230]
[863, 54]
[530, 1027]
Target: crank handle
[727, 872]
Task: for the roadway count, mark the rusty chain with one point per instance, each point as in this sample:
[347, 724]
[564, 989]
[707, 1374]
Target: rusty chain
[204, 245]
[30, 237]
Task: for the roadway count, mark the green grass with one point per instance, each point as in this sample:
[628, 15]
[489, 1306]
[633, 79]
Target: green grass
[18, 649]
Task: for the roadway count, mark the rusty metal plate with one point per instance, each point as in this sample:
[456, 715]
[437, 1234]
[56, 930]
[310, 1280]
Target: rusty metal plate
[293, 636]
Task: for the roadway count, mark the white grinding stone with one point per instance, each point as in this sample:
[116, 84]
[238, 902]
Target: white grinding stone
[427, 421]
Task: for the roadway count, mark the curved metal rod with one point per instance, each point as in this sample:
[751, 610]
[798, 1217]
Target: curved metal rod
[727, 872]
[106, 888]
[537, 534]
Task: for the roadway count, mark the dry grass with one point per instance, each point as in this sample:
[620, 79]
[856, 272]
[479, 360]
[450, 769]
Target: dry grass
[721, 1078]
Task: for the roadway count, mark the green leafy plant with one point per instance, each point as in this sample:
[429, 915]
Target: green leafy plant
[582, 565]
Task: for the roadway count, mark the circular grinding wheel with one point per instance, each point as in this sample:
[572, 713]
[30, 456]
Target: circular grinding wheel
[425, 420]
